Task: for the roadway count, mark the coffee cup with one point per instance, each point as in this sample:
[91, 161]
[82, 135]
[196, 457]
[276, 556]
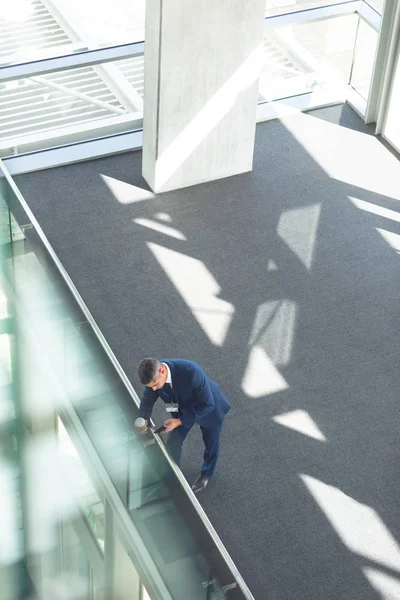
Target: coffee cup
[141, 425]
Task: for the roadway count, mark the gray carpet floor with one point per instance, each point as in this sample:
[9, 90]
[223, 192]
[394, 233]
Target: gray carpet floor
[302, 259]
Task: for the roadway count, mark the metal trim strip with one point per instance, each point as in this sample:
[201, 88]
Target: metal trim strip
[70, 61]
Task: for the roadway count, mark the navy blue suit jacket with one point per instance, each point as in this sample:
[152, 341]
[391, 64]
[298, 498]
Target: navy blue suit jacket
[199, 398]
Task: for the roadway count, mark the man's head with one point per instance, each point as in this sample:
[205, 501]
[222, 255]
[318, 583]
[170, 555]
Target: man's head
[152, 373]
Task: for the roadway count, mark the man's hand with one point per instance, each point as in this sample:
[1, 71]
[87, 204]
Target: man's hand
[170, 424]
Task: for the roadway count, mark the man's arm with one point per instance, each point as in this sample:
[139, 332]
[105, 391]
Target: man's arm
[203, 401]
[147, 402]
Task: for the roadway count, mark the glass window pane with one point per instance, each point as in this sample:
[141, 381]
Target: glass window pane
[32, 29]
[71, 105]
[305, 57]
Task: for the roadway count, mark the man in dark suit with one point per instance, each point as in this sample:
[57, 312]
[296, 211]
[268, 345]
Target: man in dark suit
[191, 397]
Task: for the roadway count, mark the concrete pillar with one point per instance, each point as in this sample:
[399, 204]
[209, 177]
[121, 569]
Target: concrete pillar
[202, 63]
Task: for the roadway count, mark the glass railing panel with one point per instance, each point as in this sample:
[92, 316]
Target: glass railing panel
[71, 105]
[12, 571]
[78, 370]
[364, 57]
[281, 7]
[377, 5]
[33, 29]
[391, 130]
[305, 57]
[77, 478]
[49, 494]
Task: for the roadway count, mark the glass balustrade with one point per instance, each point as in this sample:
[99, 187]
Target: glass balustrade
[391, 129]
[309, 56]
[363, 60]
[75, 405]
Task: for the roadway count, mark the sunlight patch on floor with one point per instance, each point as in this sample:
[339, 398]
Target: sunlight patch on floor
[387, 586]
[359, 526]
[163, 217]
[261, 377]
[161, 228]
[393, 239]
[273, 329]
[300, 420]
[271, 265]
[199, 290]
[349, 156]
[376, 209]
[126, 193]
[298, 229]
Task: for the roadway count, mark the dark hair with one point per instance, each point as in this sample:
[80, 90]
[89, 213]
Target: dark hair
[148, 370]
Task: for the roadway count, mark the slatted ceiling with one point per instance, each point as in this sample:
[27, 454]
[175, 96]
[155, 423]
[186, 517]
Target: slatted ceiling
[275, 61]
[57, 115]
[44, 99]
[85, 86]
[133, 70]
[45, 110]
[30, 106]
[57, 105]
[35, 14]
[85, 80]
[38, 30]
[40, 107]
[108, 99]
[90, 81]
[46, 24]
[7, 121]
[13, 51]
[73, 75]
[32, 37]
[43, 115]
[8, 24]
[48, 125]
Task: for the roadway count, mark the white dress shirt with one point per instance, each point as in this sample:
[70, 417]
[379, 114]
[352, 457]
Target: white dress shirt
[169, 378]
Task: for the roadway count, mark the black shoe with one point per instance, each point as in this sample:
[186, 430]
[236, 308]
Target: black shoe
[201, 483]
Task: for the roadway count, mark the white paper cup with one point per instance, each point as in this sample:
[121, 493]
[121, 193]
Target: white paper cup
[141, 424]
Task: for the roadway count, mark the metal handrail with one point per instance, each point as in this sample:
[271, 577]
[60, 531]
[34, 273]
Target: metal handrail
[82, 306]
[70, 61]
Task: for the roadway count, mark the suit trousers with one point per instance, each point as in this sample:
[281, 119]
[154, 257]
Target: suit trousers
[211, 439]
